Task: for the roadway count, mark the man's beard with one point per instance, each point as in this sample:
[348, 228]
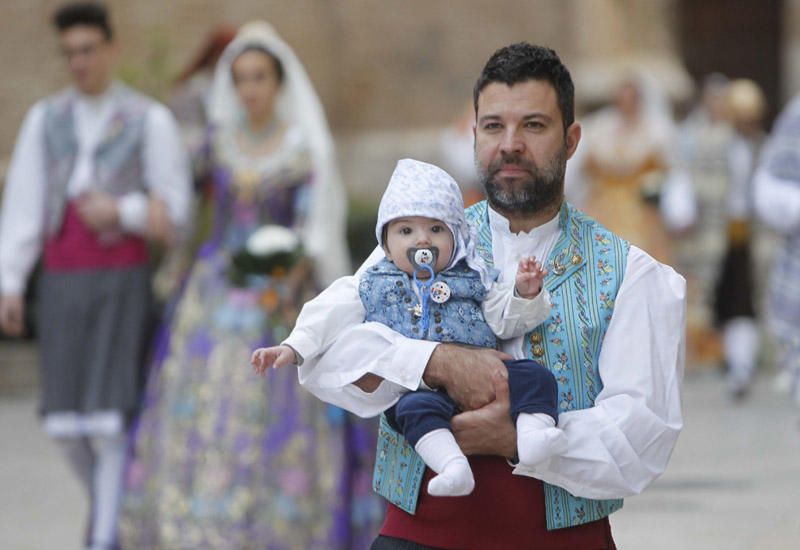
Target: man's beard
[541, 190]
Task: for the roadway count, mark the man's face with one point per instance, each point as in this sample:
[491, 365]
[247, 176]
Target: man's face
[520, 146]
[89, 56]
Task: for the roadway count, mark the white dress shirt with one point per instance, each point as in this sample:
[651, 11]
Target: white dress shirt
[166, 175]
[616, 448]
[777, 202]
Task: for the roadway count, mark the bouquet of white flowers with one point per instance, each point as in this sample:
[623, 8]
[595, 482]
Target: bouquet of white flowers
[270, 250]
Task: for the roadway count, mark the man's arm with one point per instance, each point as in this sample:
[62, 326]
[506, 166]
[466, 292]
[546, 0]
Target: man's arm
[619, 446]
[368, 366]
[21, 219]
[777, 201]
[168, 172]
[167, 176]
[164, 209]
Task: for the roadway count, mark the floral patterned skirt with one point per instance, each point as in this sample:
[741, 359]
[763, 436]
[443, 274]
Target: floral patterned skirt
[223, 458]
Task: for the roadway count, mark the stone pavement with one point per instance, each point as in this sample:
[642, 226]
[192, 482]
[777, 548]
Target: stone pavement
[42, 506]
[732, 482]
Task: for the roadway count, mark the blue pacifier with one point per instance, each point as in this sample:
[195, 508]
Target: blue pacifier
[423, 258]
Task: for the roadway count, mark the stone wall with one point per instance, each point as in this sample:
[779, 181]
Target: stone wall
[378, 64]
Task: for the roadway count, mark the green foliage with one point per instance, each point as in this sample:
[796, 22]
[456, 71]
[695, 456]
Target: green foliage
[150, 73]
[245, 265]
[361, 219]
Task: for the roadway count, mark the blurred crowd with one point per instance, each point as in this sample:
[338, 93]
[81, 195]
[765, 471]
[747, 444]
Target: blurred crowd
[685, 190]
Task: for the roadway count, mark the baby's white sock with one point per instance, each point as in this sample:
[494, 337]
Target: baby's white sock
[442, 454]
[538, 439]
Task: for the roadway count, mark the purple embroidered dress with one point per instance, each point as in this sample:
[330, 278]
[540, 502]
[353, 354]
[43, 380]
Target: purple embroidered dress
[223, 458]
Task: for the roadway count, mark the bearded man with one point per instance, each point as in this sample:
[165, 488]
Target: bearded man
[614, 341]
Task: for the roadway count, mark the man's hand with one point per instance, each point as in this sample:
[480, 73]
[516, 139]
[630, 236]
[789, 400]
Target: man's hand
[159, 225]
[12, 314]
[99, 211]
[467, 374]
[488, 430]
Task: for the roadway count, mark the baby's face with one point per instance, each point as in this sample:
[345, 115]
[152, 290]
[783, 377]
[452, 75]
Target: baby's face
[417, 232]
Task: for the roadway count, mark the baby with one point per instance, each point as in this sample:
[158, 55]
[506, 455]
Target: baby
[433, 285]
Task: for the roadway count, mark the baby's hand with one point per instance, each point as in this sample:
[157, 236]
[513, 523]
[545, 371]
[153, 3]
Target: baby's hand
[530, 275]
[275, 357]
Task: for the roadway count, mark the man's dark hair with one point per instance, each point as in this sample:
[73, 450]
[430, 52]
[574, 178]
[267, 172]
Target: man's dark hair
[521, 62]
[92, 14]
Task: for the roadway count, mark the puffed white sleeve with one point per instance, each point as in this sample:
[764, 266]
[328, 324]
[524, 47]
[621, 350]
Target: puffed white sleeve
[363, 348]
[323, 318]
[22, 213]
[509, 315]
[167, 174]
[623, 443]
[777, 201]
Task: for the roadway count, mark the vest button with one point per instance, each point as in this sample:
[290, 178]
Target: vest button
[536, 338]
[538, 351]
[576, 259]
[440, 292]
[438, 330]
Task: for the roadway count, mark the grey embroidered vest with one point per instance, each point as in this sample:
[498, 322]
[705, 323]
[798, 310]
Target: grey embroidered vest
[585, 267]
[389, 298]
[118, 167]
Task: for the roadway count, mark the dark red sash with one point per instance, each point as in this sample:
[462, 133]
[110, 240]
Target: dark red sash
[503, 512]
[77, 247]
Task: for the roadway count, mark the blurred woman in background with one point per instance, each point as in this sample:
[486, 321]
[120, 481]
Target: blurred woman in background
[223, 458]
[625, 156]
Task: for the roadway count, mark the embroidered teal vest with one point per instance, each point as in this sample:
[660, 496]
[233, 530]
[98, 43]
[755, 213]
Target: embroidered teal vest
[585, 270]
[118, 167]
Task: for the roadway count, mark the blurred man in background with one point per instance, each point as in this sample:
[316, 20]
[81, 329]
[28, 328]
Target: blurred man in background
[98, 169]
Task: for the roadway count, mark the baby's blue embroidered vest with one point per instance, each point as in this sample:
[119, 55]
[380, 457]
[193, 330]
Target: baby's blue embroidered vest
[389, 298]
[118, 158]
[585, 270]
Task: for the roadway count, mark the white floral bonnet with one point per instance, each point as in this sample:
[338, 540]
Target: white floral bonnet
[420, 189]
